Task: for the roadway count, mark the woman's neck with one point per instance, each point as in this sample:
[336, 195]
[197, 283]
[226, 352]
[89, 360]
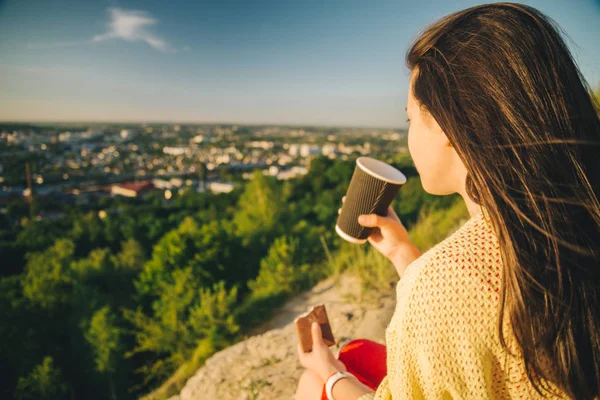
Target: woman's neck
[472, 207]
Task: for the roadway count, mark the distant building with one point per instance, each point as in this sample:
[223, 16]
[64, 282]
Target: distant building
[220, 187]
[309, 150]
[176, 182]
[78, 136]
[174, 151]
[292, 173]
[328, 148]
[223, 159]
[262, 144]
[304, 150]
[197, 139]
[64, 136]
[131, 189]
[162, 184]
[128, 134]
[294, 150]
[89, 194]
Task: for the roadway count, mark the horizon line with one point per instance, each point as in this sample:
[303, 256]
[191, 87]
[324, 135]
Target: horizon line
[58, 122]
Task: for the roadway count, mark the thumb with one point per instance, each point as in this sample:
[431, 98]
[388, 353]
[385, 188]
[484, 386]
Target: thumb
[373, 220]
[316, 333]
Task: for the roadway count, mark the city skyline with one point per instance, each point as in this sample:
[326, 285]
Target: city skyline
[274, 63]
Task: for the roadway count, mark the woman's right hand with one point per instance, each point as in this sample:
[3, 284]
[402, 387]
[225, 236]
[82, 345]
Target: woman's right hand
[390, 238]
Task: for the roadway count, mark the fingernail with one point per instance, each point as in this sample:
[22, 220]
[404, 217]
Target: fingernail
[361, 219]
[314, 325]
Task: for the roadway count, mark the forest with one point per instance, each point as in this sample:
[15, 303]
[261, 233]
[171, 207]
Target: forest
[113, 299]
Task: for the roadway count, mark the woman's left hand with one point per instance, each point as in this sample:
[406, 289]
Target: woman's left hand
[320, 360]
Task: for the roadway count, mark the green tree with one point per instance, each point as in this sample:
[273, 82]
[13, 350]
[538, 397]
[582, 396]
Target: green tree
[327, 201]
[278, 272]
[43, 382]
[213, 318]
[166, 333]
[39, 235]
[104, 338]
[258, 210]
[211, 251]
[309, 249]
[104, 335]
[19, 346]
[87, 233]
[317, 195]
[130, 258]
[93, 267]
[47, 275]
[409, 201]
[172, 252]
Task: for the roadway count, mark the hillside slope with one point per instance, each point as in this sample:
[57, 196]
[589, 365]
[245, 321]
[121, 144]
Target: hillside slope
[265, 366]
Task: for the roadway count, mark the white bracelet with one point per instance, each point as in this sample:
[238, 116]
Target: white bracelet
[333, 379]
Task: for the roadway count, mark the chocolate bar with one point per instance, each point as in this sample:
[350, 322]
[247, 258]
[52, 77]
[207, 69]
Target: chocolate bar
[303, 327]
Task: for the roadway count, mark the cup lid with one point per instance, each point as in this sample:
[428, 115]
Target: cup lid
[381, 170]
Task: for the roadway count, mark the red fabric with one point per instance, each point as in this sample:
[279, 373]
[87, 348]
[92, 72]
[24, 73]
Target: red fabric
[366, 360]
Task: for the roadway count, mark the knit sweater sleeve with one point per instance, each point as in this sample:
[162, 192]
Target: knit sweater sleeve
[382, 393]
[367, 396]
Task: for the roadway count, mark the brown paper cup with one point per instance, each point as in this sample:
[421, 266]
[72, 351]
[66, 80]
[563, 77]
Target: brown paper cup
[372, 188]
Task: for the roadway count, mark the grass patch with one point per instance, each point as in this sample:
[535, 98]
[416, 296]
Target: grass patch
[433, 226]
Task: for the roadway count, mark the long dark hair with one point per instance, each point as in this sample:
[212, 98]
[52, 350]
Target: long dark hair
[502, 84]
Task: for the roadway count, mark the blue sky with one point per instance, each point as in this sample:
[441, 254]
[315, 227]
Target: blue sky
[281, 62]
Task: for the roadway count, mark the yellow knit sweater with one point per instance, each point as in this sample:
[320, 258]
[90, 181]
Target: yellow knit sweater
[442, 341]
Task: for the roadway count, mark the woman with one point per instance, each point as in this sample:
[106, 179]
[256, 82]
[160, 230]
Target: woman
[509, 305]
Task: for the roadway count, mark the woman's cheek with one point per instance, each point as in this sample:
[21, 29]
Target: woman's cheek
[411, 147]
[414, 148]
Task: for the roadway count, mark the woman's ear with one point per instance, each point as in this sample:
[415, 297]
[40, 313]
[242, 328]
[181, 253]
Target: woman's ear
[448, 143]
[445, 141]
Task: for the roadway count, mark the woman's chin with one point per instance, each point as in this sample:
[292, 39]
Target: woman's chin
[436, 190]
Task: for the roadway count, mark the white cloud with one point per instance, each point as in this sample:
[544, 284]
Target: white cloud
[132, 25]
